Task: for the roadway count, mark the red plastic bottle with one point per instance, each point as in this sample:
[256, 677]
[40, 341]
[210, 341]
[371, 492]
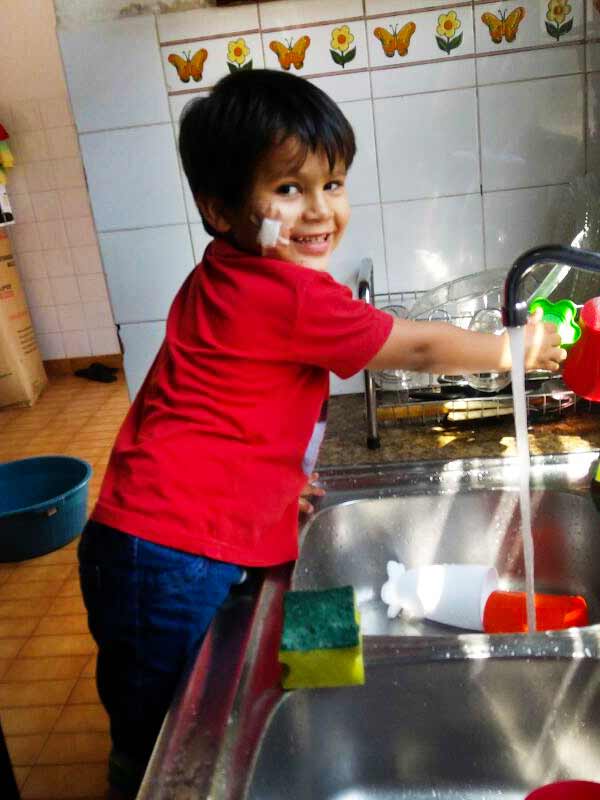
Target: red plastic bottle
[506, 612]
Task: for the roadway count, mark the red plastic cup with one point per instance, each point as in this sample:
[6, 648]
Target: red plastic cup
[581, 371]
[506, 612]
[567, 790]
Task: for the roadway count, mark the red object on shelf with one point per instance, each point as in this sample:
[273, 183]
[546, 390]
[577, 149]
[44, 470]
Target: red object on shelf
[3, 133]
[581, 372]
[506, 612]
[567, 790]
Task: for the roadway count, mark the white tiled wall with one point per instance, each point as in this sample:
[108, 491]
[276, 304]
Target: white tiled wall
[54, 238]
[465, 144]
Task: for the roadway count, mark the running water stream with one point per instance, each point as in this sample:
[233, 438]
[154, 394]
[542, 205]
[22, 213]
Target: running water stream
[517, 350]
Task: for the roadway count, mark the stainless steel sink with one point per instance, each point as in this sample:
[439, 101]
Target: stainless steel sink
[463, 730]
[351, 542]
[444, 713]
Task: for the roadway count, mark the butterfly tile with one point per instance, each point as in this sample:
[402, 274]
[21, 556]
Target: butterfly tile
[114, 74]
[539, 137]
[429, 242]
[203, 22]
[422, 36]
[519, 219]
[540, 63]
[508, 25]
[200, 64]
[320, 49]
[283, 14]
[456, 73]
[593, 36]
[427, 145]
[593, 20]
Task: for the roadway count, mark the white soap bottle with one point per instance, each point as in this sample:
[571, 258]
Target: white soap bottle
[453, 594]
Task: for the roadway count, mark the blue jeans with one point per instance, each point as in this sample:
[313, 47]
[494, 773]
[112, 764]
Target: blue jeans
[149, 608]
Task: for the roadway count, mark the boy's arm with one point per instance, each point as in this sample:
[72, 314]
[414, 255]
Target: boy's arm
[437, 347]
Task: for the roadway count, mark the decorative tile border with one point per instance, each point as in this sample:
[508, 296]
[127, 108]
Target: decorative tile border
[197, 65]
[502, 25]
[423, 37]
[320, 50]
[429, 34]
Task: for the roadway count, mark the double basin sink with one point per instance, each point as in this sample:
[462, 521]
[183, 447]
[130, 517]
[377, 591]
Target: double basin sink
[443, 713]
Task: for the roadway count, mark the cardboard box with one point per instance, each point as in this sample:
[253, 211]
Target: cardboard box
[22, 374]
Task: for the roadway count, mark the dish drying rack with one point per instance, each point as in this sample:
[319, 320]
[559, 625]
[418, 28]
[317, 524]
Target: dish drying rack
[435, 400]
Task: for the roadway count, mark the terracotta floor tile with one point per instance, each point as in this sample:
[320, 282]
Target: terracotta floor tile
[68, 623]
[17, 591]
[24, 750]
[42, 615]
[36, 669]
[82, 718]
[18, 627]
[26, 607]
[70, 588]
[63, 555]
[20, 694]
[46, 572]
[5, 571]
[21, 775]
[85, 691]
[74, 748]
[9, 648]
[68, 645]
[63, 782]
[21, 721]
[67, 605]
[89, 671]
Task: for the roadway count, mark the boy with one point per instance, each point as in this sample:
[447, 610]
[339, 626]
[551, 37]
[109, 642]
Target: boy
[207, 470]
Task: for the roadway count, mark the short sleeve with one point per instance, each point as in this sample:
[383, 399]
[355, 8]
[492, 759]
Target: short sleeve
[335, 331]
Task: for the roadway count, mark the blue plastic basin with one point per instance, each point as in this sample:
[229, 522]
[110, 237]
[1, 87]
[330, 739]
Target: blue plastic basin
[43, 504]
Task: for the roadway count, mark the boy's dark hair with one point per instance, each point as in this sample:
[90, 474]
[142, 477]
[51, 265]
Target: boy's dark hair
[224, 136]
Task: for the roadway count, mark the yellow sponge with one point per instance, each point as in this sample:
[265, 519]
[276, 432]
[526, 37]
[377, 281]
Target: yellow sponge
[321, 644]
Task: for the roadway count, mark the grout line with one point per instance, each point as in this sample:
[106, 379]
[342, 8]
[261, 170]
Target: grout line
[480, 151]
[377, 167]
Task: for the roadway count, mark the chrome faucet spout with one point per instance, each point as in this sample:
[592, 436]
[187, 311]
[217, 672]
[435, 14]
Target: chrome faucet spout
[515, 312]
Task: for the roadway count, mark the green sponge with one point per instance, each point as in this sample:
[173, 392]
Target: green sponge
[321, 644]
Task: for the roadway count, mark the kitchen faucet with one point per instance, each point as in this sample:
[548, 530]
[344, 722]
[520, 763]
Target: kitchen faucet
[516, 312]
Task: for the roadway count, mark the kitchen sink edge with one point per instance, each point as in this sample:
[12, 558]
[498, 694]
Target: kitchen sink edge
[212, 733]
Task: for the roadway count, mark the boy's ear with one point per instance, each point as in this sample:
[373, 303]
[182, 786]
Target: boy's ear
[212, 211]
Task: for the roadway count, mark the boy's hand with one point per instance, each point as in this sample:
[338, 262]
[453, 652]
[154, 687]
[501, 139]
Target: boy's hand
[542, 344]
[310, 490]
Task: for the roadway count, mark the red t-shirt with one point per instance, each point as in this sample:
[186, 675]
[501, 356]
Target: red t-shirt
[209, 457]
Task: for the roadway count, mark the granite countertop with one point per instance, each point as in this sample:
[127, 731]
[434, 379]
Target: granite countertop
[345, 440]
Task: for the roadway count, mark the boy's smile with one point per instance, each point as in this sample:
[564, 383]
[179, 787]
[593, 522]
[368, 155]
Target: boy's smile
[308, 197]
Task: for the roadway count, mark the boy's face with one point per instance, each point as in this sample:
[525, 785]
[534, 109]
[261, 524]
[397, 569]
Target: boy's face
[310, 200]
